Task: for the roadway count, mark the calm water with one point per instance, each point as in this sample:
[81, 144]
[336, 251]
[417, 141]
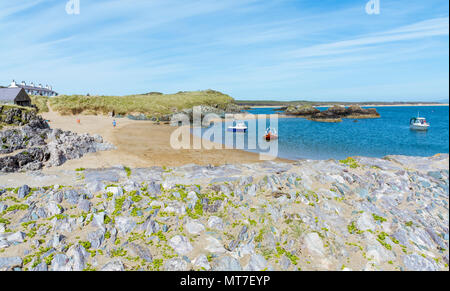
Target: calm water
[388, 135]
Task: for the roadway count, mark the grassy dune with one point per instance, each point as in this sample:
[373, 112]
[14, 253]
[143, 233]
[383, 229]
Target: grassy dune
[152, 104]
[40, 102]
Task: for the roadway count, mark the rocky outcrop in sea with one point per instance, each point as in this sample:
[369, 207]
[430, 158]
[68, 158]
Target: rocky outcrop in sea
[355, 214]
[332, 114]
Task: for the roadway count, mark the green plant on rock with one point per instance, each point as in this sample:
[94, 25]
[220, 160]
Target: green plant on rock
[351, 162]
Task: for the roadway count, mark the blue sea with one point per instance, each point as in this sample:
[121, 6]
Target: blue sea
[389, 135]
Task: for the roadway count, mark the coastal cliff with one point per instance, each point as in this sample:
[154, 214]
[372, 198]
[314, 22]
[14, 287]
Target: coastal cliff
[354, 214]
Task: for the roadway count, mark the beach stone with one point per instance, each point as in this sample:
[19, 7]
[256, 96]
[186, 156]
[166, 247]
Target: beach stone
[98, 219]
[17, 237]
[258, 263]
[85, 205]
[95, 187]
[10, 262]
[57, 240]
[23, 191]
[140, 251]
[154, 188]
[116, 265]
[77, 255]
[53, 208]
[215, 222]
[96, 238]
[115, 191]
[60, 262]
[214, 245]
[193, 227]
[71, 196]
[42, 267]
[314, 244]
[4, 244]
[226, 263]
[414, 262]
[175, 264]
[365, 222]
[251, 191]
[201, 262]
[58, 197]
[378, 253]
[125, 224]
[285, 263]
[180, 244]
[149, 227]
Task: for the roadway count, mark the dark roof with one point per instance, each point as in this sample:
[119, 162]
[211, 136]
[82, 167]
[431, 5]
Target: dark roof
[9, 94]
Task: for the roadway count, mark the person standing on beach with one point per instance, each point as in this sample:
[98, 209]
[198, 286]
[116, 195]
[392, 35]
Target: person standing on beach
[114, 123]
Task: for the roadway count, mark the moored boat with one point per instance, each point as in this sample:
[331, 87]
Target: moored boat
[239, 127]
[270, 134]
[418, 123]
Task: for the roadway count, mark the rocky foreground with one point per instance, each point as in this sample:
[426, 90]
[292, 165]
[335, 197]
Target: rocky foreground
[355, 214]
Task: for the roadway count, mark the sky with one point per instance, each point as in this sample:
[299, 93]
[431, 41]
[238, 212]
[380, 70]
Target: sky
[327, 50]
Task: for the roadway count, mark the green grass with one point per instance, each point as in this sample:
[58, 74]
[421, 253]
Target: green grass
[351, 162]
[40, 102]
[149, 104]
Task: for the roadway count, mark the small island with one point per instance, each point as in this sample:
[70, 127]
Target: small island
[333, 114]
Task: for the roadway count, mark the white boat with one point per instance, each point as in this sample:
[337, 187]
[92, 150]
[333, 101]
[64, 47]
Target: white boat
[239, 127]
[419, 123]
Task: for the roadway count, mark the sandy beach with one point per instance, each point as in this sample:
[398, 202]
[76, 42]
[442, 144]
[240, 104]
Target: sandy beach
[140, 144]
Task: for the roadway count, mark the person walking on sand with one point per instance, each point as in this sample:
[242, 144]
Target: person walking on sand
[114, 123]
[78, 120]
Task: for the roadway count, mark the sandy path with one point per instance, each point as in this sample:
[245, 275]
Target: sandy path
[139, 144]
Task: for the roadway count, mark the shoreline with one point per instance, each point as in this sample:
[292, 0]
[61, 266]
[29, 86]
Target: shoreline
[369, 105]
[141, 144]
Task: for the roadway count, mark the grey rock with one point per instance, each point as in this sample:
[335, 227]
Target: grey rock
[180, 244]
[125, 224]
[193, 227]
[23, 191]
[414, 262]
[116, 265]
[202, 262]
[85, 205]
[96, 238]
[10, 262]
[258, 263]
[60, 262]
[175, 264]
[226, 263]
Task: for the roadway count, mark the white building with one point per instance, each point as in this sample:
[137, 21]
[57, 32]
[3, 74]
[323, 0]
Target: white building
[35, 90]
